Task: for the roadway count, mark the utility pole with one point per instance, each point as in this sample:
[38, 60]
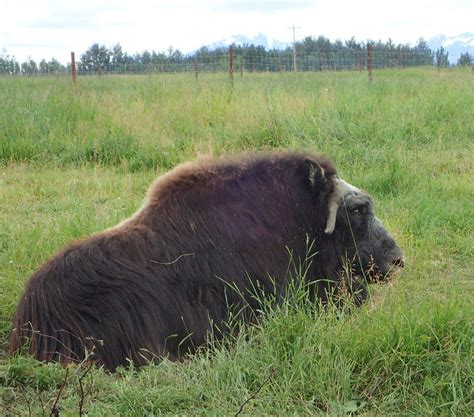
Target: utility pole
[294, 45]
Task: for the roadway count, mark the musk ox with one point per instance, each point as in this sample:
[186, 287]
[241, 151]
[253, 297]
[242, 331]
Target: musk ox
[157, 283]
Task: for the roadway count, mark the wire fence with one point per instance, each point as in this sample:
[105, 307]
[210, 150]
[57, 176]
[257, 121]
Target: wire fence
[232, 60]
[324, 61]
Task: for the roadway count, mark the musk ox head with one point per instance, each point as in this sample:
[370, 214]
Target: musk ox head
[367, 242]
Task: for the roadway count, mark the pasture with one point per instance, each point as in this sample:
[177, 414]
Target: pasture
[76, 159]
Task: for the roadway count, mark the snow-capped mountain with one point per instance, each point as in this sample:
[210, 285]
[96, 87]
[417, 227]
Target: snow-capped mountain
[455, 45]
[240, 40]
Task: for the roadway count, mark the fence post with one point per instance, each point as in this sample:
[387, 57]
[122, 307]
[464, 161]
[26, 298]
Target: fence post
[231, 64]
[369, 60]
[73, 67]
[196, 68]
[241, 66]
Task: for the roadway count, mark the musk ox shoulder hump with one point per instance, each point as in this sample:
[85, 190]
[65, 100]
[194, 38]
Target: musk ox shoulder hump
[209, 172]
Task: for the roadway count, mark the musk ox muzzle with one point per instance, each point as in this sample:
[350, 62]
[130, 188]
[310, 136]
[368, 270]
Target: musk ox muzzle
[159, 282]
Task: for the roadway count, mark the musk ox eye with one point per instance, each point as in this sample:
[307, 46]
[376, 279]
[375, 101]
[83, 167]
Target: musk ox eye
[360, 210]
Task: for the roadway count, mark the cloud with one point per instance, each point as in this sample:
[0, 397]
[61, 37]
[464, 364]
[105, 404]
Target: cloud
[62, 23]
[262, 6]
[44, 28]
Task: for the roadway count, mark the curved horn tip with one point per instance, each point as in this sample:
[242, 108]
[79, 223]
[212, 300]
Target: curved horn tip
[329, 230]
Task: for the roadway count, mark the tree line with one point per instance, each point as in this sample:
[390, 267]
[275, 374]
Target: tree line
[309, 54]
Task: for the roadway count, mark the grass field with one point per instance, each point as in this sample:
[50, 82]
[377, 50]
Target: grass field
[76, 159]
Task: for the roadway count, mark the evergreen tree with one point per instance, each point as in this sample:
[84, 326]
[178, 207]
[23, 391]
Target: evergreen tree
[117, 57]
[9, 66]
[96, 58]
[29, 67]
[441, 56]
[44, 67]
[465, 60]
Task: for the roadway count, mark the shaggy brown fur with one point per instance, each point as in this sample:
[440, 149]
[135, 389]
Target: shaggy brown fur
[153, 285]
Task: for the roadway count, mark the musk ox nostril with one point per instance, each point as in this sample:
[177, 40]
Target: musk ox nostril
[399, 262]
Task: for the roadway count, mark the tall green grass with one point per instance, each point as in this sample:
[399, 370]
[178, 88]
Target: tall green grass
[155, 122]
[76, 159]
[384, 359]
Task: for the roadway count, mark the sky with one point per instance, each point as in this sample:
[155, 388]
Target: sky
[53, 28]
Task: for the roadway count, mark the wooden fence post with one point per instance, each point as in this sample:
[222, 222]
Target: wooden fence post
[369, 60]
[231, 65]
[231, 62]
[73, 67]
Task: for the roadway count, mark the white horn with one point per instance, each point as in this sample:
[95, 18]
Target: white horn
[341, 189]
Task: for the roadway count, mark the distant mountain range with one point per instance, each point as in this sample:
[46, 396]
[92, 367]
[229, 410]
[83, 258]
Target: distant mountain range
[455, 45]
[241, 40]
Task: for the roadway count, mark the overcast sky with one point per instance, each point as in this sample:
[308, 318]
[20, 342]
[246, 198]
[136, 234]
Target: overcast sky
[54, 28]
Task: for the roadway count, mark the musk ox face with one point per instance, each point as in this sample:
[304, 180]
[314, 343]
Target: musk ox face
[368, 243]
